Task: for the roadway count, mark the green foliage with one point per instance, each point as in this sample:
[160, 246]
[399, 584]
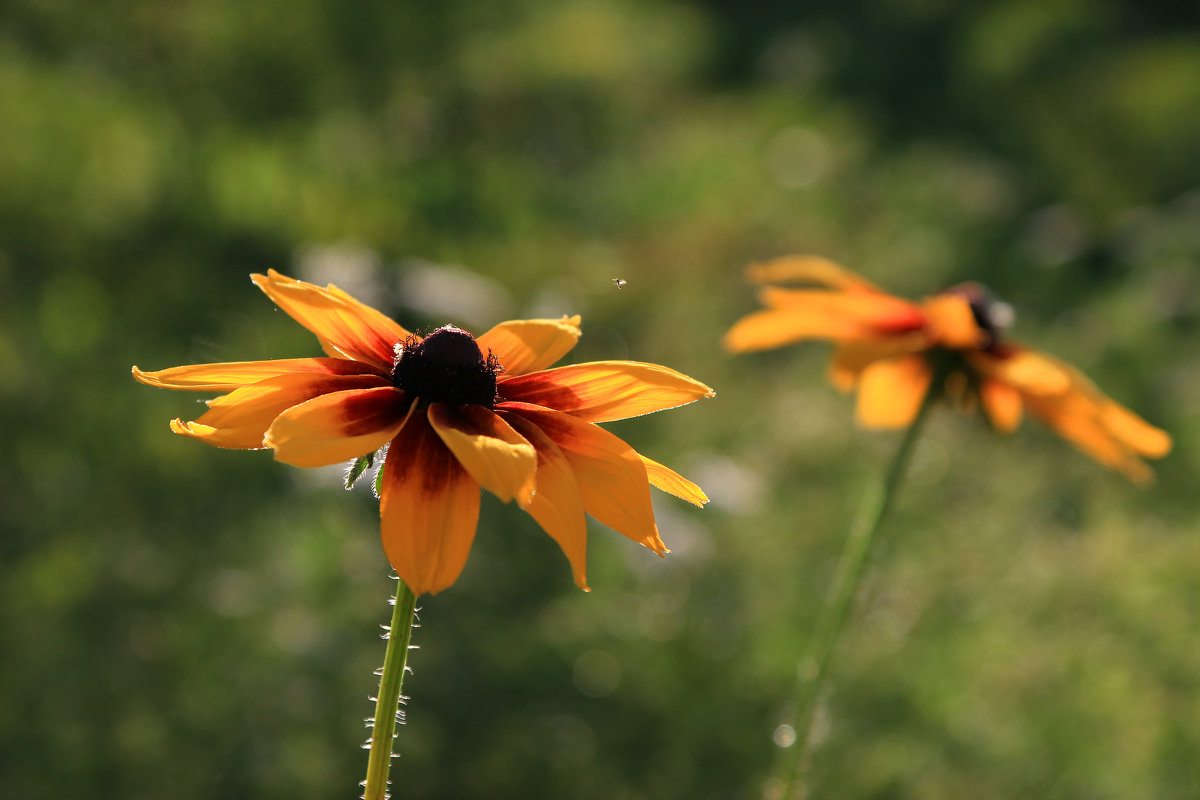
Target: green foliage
[188, 622]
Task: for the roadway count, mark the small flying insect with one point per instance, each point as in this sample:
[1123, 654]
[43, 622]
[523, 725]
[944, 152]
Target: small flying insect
[619, 282]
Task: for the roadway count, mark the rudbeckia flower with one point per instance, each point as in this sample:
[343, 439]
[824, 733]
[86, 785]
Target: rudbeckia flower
[456, 413]
[887, 349]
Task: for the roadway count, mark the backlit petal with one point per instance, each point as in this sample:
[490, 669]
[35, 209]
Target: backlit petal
[337, 427]
[605, 390]
[241, 418]
[557, 506]
[1002, 404]
[611, 476]
[233, 374]
[377, 320]
[344, 327]
[429, 507]
[528, 345]
[891, 392]
[671, 482]
[495, 455]
[810, 269]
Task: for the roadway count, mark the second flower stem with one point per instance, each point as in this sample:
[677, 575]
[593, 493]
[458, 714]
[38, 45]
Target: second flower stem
[395, 662]
[811, 672]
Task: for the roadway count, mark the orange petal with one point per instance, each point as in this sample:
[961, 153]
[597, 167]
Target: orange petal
[233, 374]
[527, 345]
[1026, 370]
[891, 392]
[344, 326]
[240, 419]
[811, 269]
[495, 455]
[611, 476]
[950, 322]
[762, 330]
[376, 319]
[1075, 419]
[1135, 432]
[851, 358]
[874, 313]
[557, 506]
[1002, 404]
[671, 482]
[1067, 392]
[605, 390]
[793, 314]
[338, 426]
[429, 507]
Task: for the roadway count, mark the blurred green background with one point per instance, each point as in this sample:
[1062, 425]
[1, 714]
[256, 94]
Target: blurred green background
[179, 621]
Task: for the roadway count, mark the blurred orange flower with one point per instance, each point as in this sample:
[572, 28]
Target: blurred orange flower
[886, 348]
[456, 414]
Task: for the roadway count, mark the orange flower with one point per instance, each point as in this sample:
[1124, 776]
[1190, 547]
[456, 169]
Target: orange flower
[456, 414]
[887, 347]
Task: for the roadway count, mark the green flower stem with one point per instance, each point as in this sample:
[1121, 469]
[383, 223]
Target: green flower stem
[812, 671]
[386, 705]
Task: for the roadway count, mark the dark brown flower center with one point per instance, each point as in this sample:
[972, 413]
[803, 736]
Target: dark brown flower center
[446, 367]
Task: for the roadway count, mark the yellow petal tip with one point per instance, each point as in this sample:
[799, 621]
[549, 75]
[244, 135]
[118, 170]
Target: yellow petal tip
[193, 429]
[149, 378]
[729, 344]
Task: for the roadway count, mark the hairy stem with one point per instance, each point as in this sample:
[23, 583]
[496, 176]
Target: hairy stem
[386, 705]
